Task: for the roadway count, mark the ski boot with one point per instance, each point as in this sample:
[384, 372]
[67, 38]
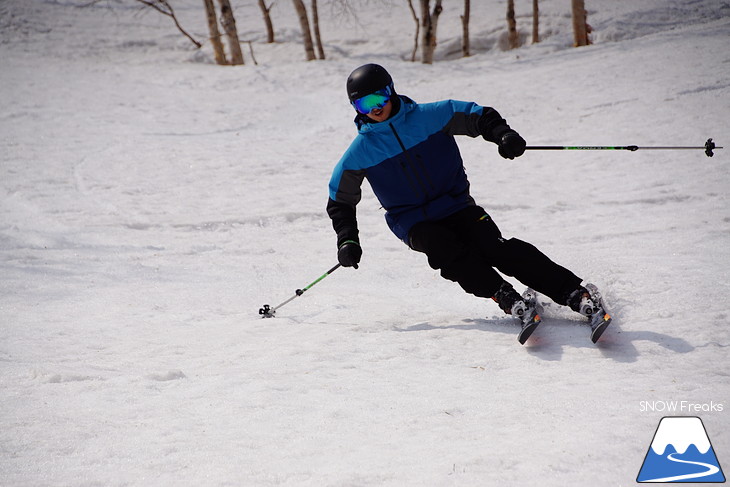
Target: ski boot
[589, 302]
[524, 308]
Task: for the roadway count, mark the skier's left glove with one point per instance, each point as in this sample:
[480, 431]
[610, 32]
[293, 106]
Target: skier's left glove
[349, 254]
[511, 145]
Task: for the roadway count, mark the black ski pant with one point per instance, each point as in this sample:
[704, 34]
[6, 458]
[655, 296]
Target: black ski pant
[467, 246]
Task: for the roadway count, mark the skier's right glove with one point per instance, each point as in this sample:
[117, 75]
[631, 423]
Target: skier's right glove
[349, 254]
[511, 145]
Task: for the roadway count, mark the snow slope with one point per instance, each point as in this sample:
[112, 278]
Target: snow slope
[151, 202]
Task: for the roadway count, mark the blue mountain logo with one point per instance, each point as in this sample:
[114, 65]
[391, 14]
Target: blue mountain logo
[681, 452]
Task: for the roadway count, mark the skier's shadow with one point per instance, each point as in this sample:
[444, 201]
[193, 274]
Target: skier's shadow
[553, 337]
[615, 343]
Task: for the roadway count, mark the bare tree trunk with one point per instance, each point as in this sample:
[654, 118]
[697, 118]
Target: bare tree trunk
[215, 35]
[317, 36]
[513, 37]
[306, 33]
[465, 29]
[581, 28]
[429, 20]
[229, 26]
[535, 22]
[267, 20]
[418, 30]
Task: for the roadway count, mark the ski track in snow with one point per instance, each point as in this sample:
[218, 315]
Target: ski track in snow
[151, 202]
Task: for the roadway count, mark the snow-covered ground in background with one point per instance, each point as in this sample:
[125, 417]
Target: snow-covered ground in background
[151, 202]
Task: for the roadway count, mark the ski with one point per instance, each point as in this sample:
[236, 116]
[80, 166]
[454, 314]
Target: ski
[594, 311]
[529, 316]
[599, 318]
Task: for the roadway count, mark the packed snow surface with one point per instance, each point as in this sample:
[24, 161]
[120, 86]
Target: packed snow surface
[151, 202]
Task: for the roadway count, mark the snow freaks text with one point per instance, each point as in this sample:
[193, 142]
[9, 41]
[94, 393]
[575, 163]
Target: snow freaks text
[682, 407]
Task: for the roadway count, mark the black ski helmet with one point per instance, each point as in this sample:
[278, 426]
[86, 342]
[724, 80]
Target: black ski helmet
[367, 79]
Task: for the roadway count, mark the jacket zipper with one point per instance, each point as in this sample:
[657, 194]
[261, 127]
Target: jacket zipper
[411, 165]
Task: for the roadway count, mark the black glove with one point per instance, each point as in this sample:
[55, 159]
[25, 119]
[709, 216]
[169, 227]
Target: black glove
[511, 145]
[349, 254]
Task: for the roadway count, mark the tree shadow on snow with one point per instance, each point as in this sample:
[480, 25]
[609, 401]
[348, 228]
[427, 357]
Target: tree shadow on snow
[555, 335]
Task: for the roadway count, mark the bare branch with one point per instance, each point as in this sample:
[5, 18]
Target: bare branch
[250, 48]
[160, 6]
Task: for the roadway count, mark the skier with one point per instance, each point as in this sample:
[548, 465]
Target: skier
[408, 153]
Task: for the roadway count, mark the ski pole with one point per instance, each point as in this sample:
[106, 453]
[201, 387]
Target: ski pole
[268, 312]
[708, 147]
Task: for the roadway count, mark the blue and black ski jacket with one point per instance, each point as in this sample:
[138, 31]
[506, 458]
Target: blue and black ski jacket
[412, 163]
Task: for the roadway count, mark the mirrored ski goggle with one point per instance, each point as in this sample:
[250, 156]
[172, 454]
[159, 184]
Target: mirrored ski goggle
[370, 102]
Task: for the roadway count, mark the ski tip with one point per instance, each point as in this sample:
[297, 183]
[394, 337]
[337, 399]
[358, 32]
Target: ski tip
[601, 327]
[606, 319]
[528, 329]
